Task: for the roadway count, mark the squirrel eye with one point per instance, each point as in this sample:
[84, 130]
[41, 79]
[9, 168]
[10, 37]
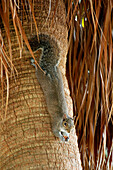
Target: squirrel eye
[65, 124]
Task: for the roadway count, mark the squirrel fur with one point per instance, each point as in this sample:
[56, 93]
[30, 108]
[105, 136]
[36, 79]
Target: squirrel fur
[52, 85]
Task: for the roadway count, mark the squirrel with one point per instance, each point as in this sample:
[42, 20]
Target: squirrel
[50, 80]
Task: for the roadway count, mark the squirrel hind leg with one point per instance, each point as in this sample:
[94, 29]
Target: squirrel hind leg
[38, 53]
[33, 62]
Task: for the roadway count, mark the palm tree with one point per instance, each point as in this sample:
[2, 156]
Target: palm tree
[26, 139]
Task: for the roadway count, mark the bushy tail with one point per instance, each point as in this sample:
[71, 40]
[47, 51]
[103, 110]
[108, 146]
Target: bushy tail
[50, 51]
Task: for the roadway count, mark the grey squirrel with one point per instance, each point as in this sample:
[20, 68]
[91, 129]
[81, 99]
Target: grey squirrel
[52, 85]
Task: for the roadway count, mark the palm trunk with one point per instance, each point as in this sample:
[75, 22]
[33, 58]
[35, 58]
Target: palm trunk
[26, 139]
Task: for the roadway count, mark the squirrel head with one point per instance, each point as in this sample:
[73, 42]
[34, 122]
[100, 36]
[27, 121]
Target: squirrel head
[67, 123]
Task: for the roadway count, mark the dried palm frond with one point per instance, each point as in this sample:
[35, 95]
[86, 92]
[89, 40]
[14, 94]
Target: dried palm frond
[7, 66]
[90, 75]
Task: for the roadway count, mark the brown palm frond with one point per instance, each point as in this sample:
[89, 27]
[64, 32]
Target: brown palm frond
[6, 61]
[5, 67]
[90, 78]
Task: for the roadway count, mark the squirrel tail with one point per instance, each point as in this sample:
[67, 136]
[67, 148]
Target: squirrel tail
[49, 57]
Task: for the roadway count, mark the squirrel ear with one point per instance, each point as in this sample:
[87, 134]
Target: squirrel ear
[64, 116]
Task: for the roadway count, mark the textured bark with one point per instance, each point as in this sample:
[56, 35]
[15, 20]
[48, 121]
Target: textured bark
[26, 139]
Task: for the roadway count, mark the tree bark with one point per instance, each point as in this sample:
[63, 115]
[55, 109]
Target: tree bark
[26, 139]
